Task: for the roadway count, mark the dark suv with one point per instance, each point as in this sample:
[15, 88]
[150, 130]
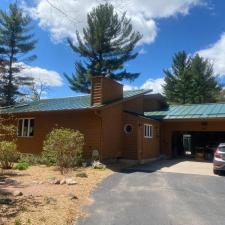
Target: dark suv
[219, 159]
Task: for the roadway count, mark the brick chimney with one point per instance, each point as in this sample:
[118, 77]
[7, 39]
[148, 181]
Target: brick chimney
[105, 90]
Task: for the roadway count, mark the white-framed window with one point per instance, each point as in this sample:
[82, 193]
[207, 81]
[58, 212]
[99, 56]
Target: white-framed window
[148, 131]
[25, 127]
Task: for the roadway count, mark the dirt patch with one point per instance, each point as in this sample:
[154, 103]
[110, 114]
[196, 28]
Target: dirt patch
[42, 202]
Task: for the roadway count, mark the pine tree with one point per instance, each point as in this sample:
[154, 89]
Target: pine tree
[15, 42]
[2, 72]
[177, 88]
[106, 44]
[205, 86]
[191, 80]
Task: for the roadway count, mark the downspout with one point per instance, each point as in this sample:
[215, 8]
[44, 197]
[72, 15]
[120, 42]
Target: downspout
[98, 114]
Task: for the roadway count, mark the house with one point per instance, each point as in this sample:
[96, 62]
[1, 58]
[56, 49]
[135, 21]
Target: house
[112, 121]
[133, 124]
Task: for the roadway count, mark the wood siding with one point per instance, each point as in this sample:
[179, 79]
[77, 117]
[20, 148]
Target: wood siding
[96, 92]
[134, 105]
[130, 141]
[152, 104]
[151, 146]
[112, 131]
[86, 122]
[136, 146]
[105, 90]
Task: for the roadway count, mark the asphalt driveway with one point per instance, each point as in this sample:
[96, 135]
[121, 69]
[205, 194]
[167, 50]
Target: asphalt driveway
[145, 196]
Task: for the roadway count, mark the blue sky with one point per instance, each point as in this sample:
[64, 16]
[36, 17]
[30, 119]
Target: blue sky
[190, 25]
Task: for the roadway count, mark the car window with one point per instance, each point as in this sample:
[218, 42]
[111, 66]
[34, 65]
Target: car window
[222, 149]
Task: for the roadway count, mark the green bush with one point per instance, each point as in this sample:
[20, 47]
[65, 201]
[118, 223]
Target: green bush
[64, 147]
[22, 166]
[5, 201]
[18, 222]
[82, 175]
[31, 159]
[8, 154]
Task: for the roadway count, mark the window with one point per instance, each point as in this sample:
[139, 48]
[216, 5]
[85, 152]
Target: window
[148, 131]
[25, 128]
[128, 128]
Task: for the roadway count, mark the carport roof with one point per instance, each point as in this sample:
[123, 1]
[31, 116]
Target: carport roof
[189, 111]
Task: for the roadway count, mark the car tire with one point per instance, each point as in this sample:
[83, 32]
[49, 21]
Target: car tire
[216, 172]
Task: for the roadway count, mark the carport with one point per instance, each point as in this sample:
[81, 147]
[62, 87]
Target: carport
[196, 144]
[192, 130]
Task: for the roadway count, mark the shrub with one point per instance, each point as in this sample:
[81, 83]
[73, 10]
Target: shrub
[18, 222]
[82, 175]
[22, 166]
[63, 146]
[5, 201]
[8, 154]
[31, 159]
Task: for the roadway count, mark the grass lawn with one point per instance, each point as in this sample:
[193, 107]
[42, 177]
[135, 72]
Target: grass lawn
[42, 202]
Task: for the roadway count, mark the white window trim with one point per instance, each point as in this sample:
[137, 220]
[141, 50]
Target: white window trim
[28, 131]
[150, 127]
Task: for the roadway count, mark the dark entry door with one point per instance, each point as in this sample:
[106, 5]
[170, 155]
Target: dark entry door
[187, 144]
[177, 145]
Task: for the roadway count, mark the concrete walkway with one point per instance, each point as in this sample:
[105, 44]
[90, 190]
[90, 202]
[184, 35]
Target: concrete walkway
[181, 166]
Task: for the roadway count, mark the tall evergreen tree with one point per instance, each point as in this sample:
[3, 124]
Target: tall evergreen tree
[177, 86]
[106, 44]
[15, 42]
[191, 80]
[205, 86]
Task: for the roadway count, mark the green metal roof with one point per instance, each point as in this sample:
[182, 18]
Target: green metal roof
[189, 111]
[56, 104]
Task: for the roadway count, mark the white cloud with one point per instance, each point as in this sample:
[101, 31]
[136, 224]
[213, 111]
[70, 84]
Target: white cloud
[127, 87]
[154, 84]
[216, 54]
[49, 78]
[142, 51]
[142, 13]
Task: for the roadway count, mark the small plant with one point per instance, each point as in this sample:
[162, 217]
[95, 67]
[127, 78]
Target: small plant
[82, 175]
[43, 219]
[64, 147]
[50, 200]
[8, 154]
[5, 201]
[22, 166]
[18, 222]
